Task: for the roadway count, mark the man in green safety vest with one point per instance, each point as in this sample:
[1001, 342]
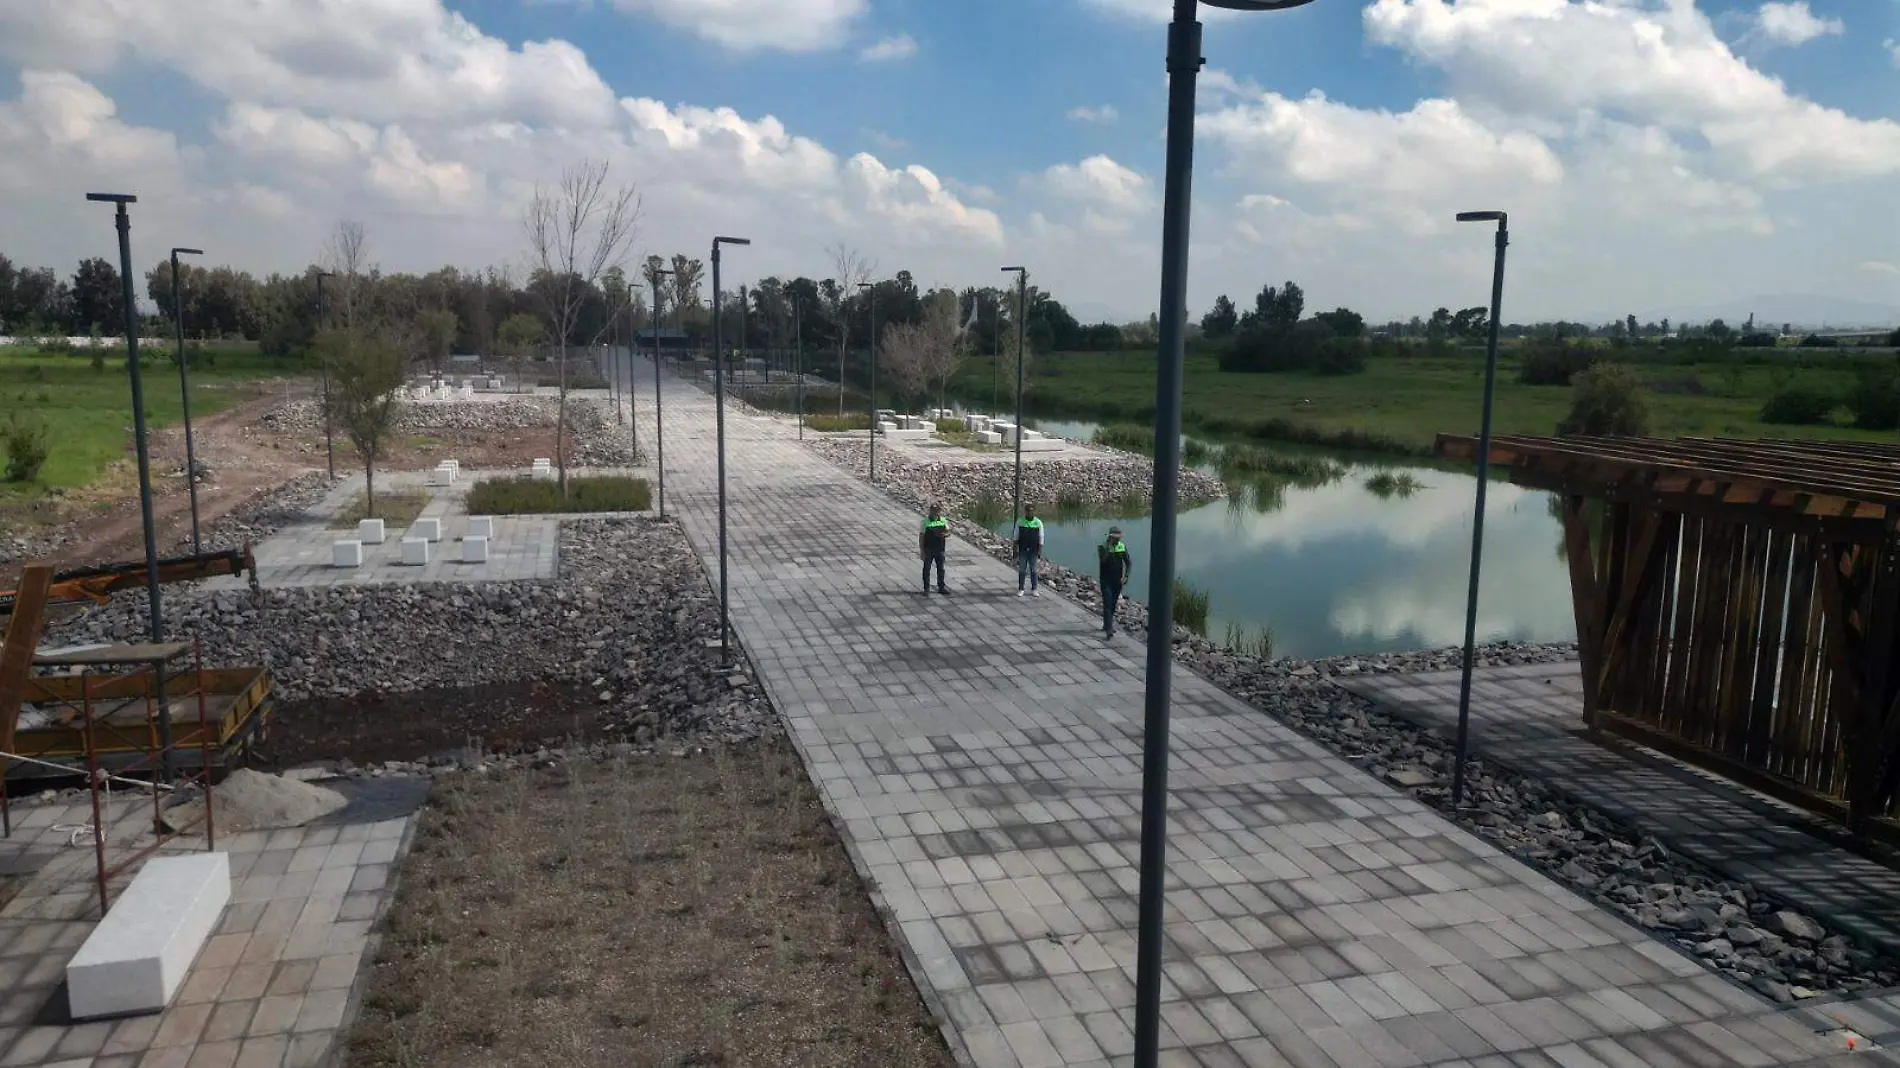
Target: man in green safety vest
[1028, 550]
[931, 543]
[1115, 568]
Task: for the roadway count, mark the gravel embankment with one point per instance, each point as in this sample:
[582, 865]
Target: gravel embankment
[598, 440]
[1738, 931]
[629, 617]
[1104, 479]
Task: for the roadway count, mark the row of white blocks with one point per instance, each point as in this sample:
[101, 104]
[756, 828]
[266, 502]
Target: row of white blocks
[445, 473]
[543, 468]
[348, 552]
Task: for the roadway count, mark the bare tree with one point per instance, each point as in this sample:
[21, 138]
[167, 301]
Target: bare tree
[576, 230]
[904, 357]
[346, 256]
[1007, 350]
[942, 331]
[848, 269]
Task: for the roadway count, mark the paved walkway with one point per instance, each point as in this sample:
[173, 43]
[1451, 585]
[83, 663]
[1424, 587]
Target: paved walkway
[1530, 718]
[982, 756]
[272, 988]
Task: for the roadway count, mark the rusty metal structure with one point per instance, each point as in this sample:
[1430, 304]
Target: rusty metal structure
[1737, 605]
[98, 583]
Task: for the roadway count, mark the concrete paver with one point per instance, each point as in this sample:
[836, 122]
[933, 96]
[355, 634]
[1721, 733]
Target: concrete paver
[982, 756]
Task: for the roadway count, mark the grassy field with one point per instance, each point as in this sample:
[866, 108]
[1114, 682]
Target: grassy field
[89, 412]
[1401, 404]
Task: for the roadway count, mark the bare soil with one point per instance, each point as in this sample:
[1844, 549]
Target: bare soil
[655, 911]
[374, 727]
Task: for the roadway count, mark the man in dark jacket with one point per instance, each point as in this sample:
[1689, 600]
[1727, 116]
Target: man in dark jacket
[1028, 550]
[931, 543]
[1115, 569]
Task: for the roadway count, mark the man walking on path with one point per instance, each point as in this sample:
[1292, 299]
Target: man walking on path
[931, 543]
[1112, 554]
[1028, 550]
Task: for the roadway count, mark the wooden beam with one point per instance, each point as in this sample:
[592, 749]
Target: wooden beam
[16, 651]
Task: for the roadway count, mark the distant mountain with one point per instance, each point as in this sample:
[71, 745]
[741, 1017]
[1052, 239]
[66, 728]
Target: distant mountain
[1771, 310]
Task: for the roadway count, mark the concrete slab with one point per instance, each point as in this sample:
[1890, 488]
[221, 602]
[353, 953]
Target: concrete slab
[137, 957]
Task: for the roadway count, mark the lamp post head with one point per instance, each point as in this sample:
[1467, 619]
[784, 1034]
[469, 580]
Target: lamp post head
[113, 198]
[1255, 5]
[1022, 269]
[731, 241]
[867, 285]
[1481, 216]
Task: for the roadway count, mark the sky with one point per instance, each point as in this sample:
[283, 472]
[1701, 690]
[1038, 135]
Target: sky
[1652, 154]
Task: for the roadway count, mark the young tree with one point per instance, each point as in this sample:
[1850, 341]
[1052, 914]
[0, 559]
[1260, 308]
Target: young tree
[904, 357]
[848, 270]
[576, 230]
[1222, 320]
[366, 373]
[941, 335]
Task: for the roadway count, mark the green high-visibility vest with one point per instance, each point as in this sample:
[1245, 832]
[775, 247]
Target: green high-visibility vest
[1032, 524]
[932, 524]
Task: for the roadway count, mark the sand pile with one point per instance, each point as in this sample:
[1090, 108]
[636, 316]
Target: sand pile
[253, 801]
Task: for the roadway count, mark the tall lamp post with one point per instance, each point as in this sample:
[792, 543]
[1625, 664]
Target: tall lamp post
[659, 428]
[184, 391]
[1022, 319]
[1184, 66]
[798, 360]
[872, 286]
[329, 432]
[156, 619]
[1484, 479]
[719, 401]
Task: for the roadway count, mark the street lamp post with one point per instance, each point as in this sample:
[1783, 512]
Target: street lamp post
[719, 401]
[798, 361]
[329, 431]
[156, 618]
[184, 391]
[659, 425]
[1022, 319]
[1477, 519]
[872, 286]
[1184, 65]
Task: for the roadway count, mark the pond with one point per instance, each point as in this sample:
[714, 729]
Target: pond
[1337, 568]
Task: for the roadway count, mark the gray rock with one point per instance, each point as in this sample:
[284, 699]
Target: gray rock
[1795, 925]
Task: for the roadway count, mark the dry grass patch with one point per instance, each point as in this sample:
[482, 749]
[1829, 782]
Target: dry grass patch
[656, 911]
[396, 510]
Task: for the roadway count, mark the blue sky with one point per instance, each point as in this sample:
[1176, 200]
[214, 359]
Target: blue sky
[1655, 154]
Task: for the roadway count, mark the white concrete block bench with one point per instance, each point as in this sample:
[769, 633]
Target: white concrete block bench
[136, 959]
[346, 552]
[415, 551]
[370, 531]
[428, 528]
[989, 437]
[475, 549]
[480, 526]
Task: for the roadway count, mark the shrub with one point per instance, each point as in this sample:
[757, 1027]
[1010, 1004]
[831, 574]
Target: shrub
[27, 447]
[1254, 643]
[1197, 453]
[950, 426]
[1264, 348]
[535, 496]
[1553, 363]
[1340, 356]
[1606, 400]
[1799, 405]
[1190, 607]
[1875, 400]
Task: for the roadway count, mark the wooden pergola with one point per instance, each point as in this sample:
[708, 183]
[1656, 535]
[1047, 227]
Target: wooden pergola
[1737, 605]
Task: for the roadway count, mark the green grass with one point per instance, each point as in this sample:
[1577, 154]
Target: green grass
[542, 496]
[396, 510]
[1128, 437]
[1400, 404]
[838, 423]
[1301, 469]
[1248, 642]
[1388, 484]
[1190, 607]
[89, 412]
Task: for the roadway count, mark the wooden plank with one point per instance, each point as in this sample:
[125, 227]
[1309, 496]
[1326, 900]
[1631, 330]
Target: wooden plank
[1758, 747]
[1585, 596]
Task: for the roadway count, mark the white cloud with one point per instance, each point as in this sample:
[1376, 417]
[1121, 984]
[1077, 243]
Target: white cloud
[1109, 195]
[1893, 48]
[902, 46]
[1103, 115]
[1151, 10]
[378, 60]
[1793, 23]
[788, 25]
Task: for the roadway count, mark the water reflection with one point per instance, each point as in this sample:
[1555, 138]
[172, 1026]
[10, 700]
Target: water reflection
[1337, 568]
